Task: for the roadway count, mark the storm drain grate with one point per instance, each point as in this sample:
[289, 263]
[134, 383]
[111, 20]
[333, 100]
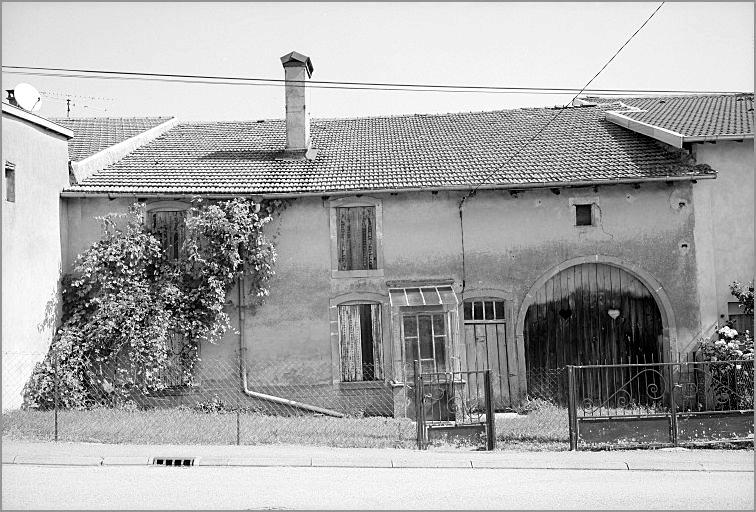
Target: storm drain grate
[172, 461]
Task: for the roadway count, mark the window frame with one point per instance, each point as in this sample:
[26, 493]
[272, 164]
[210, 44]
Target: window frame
[593, 202]
[471, 300]
[416, 312]
[9, 178]
[579, 219]
[352, 299]
[333, 220]
[164, 206]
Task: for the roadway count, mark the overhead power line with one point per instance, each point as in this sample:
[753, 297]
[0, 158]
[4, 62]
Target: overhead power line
[559, 112]
[324, 84]
[522, 148]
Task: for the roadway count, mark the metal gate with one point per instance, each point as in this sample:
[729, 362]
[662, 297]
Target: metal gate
[661, 404]
[451, 407]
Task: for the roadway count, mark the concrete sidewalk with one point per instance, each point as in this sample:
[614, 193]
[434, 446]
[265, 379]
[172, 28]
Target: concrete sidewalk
[92, 454]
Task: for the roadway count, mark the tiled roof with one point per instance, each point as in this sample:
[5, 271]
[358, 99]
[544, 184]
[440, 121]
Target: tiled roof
[693, 116]
[92, 135]
[398, 152]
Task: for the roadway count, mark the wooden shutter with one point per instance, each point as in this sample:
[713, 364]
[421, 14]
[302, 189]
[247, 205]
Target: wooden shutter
[375, 314]
[169, 229]
[343, 238]
[356, 243]
[367, 225]
[350, 343]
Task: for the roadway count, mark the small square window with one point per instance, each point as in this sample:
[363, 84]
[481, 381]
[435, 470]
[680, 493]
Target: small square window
[10, 182]
[583, 214]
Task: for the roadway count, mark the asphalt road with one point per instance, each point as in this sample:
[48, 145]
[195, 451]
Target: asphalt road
[146, 487]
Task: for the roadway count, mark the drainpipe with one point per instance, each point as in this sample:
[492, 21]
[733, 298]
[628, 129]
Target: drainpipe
[243, 371]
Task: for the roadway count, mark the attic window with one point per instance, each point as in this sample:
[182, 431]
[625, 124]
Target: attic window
[583, 214]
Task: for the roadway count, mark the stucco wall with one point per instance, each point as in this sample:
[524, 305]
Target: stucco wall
[724, 224]
[32, 248]
[510, 242]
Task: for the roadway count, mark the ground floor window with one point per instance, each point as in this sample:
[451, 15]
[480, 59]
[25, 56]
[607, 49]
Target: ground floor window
[360, 342]
[425, 341]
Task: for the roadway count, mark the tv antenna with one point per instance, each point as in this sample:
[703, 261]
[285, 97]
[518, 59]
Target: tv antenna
[68, 98]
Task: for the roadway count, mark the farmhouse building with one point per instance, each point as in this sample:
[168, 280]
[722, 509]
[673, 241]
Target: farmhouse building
[517, 240]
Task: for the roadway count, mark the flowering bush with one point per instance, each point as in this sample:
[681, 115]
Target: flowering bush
[125, 299]
[727, 345]
[744, 294]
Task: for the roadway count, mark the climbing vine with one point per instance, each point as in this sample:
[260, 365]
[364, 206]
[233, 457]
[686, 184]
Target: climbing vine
[125, 300]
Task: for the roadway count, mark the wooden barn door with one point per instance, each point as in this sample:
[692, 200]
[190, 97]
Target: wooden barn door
[587, 314]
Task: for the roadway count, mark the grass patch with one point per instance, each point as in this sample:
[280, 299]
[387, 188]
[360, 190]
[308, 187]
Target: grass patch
[543, 427]
[181, 426]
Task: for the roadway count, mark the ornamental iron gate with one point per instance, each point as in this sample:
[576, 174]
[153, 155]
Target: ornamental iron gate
[660, 404]
[454, 407]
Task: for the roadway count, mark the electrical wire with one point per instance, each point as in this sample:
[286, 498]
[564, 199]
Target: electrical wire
[324, 84]
[559, 112]
[308, 85]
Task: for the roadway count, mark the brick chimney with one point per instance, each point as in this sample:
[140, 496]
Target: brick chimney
[297, 69]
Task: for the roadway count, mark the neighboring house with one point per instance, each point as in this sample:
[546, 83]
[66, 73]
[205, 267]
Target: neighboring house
[98, 143]
[717, 130]
[579, 248]
[35, 172]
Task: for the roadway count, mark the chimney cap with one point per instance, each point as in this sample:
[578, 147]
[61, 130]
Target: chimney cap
[297, 59]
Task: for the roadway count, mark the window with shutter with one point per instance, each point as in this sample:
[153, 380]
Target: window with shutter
[356, 238]
[356, 229]
[168, 227]
[360, 342]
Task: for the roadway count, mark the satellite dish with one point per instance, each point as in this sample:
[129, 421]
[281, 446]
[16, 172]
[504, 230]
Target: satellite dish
[27, 97]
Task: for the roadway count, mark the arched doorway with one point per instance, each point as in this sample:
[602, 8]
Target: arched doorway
[588, 313]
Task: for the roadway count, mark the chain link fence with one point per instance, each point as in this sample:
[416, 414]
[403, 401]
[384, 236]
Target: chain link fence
[221, 403]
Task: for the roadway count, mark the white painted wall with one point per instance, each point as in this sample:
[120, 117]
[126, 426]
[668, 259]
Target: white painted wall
[32, 241]
[724, 228]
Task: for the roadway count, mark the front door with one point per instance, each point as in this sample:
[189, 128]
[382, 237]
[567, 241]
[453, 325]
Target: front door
[424, 335]
[487, 347]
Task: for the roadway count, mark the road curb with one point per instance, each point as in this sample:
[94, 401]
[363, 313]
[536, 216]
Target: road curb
[40, 460]
[368, 462]
[350, 463]
[126, 461]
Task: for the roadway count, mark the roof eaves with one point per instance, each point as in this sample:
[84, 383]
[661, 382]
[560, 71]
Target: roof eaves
[81, 191]
[715, 138]
[38, 120]
[661, 134]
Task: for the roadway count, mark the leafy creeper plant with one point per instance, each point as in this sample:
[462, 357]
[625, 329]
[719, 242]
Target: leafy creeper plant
[125, 299]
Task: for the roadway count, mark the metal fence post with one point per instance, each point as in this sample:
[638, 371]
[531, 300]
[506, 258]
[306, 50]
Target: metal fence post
[490, 416]
[672, 404]
[419, 413]
[238, 418]
[572, 413]
[55, 392]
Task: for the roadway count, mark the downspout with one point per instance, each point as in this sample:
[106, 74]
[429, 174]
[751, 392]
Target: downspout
[243, 371]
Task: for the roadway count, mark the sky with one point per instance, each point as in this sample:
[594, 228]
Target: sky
[687, 45]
